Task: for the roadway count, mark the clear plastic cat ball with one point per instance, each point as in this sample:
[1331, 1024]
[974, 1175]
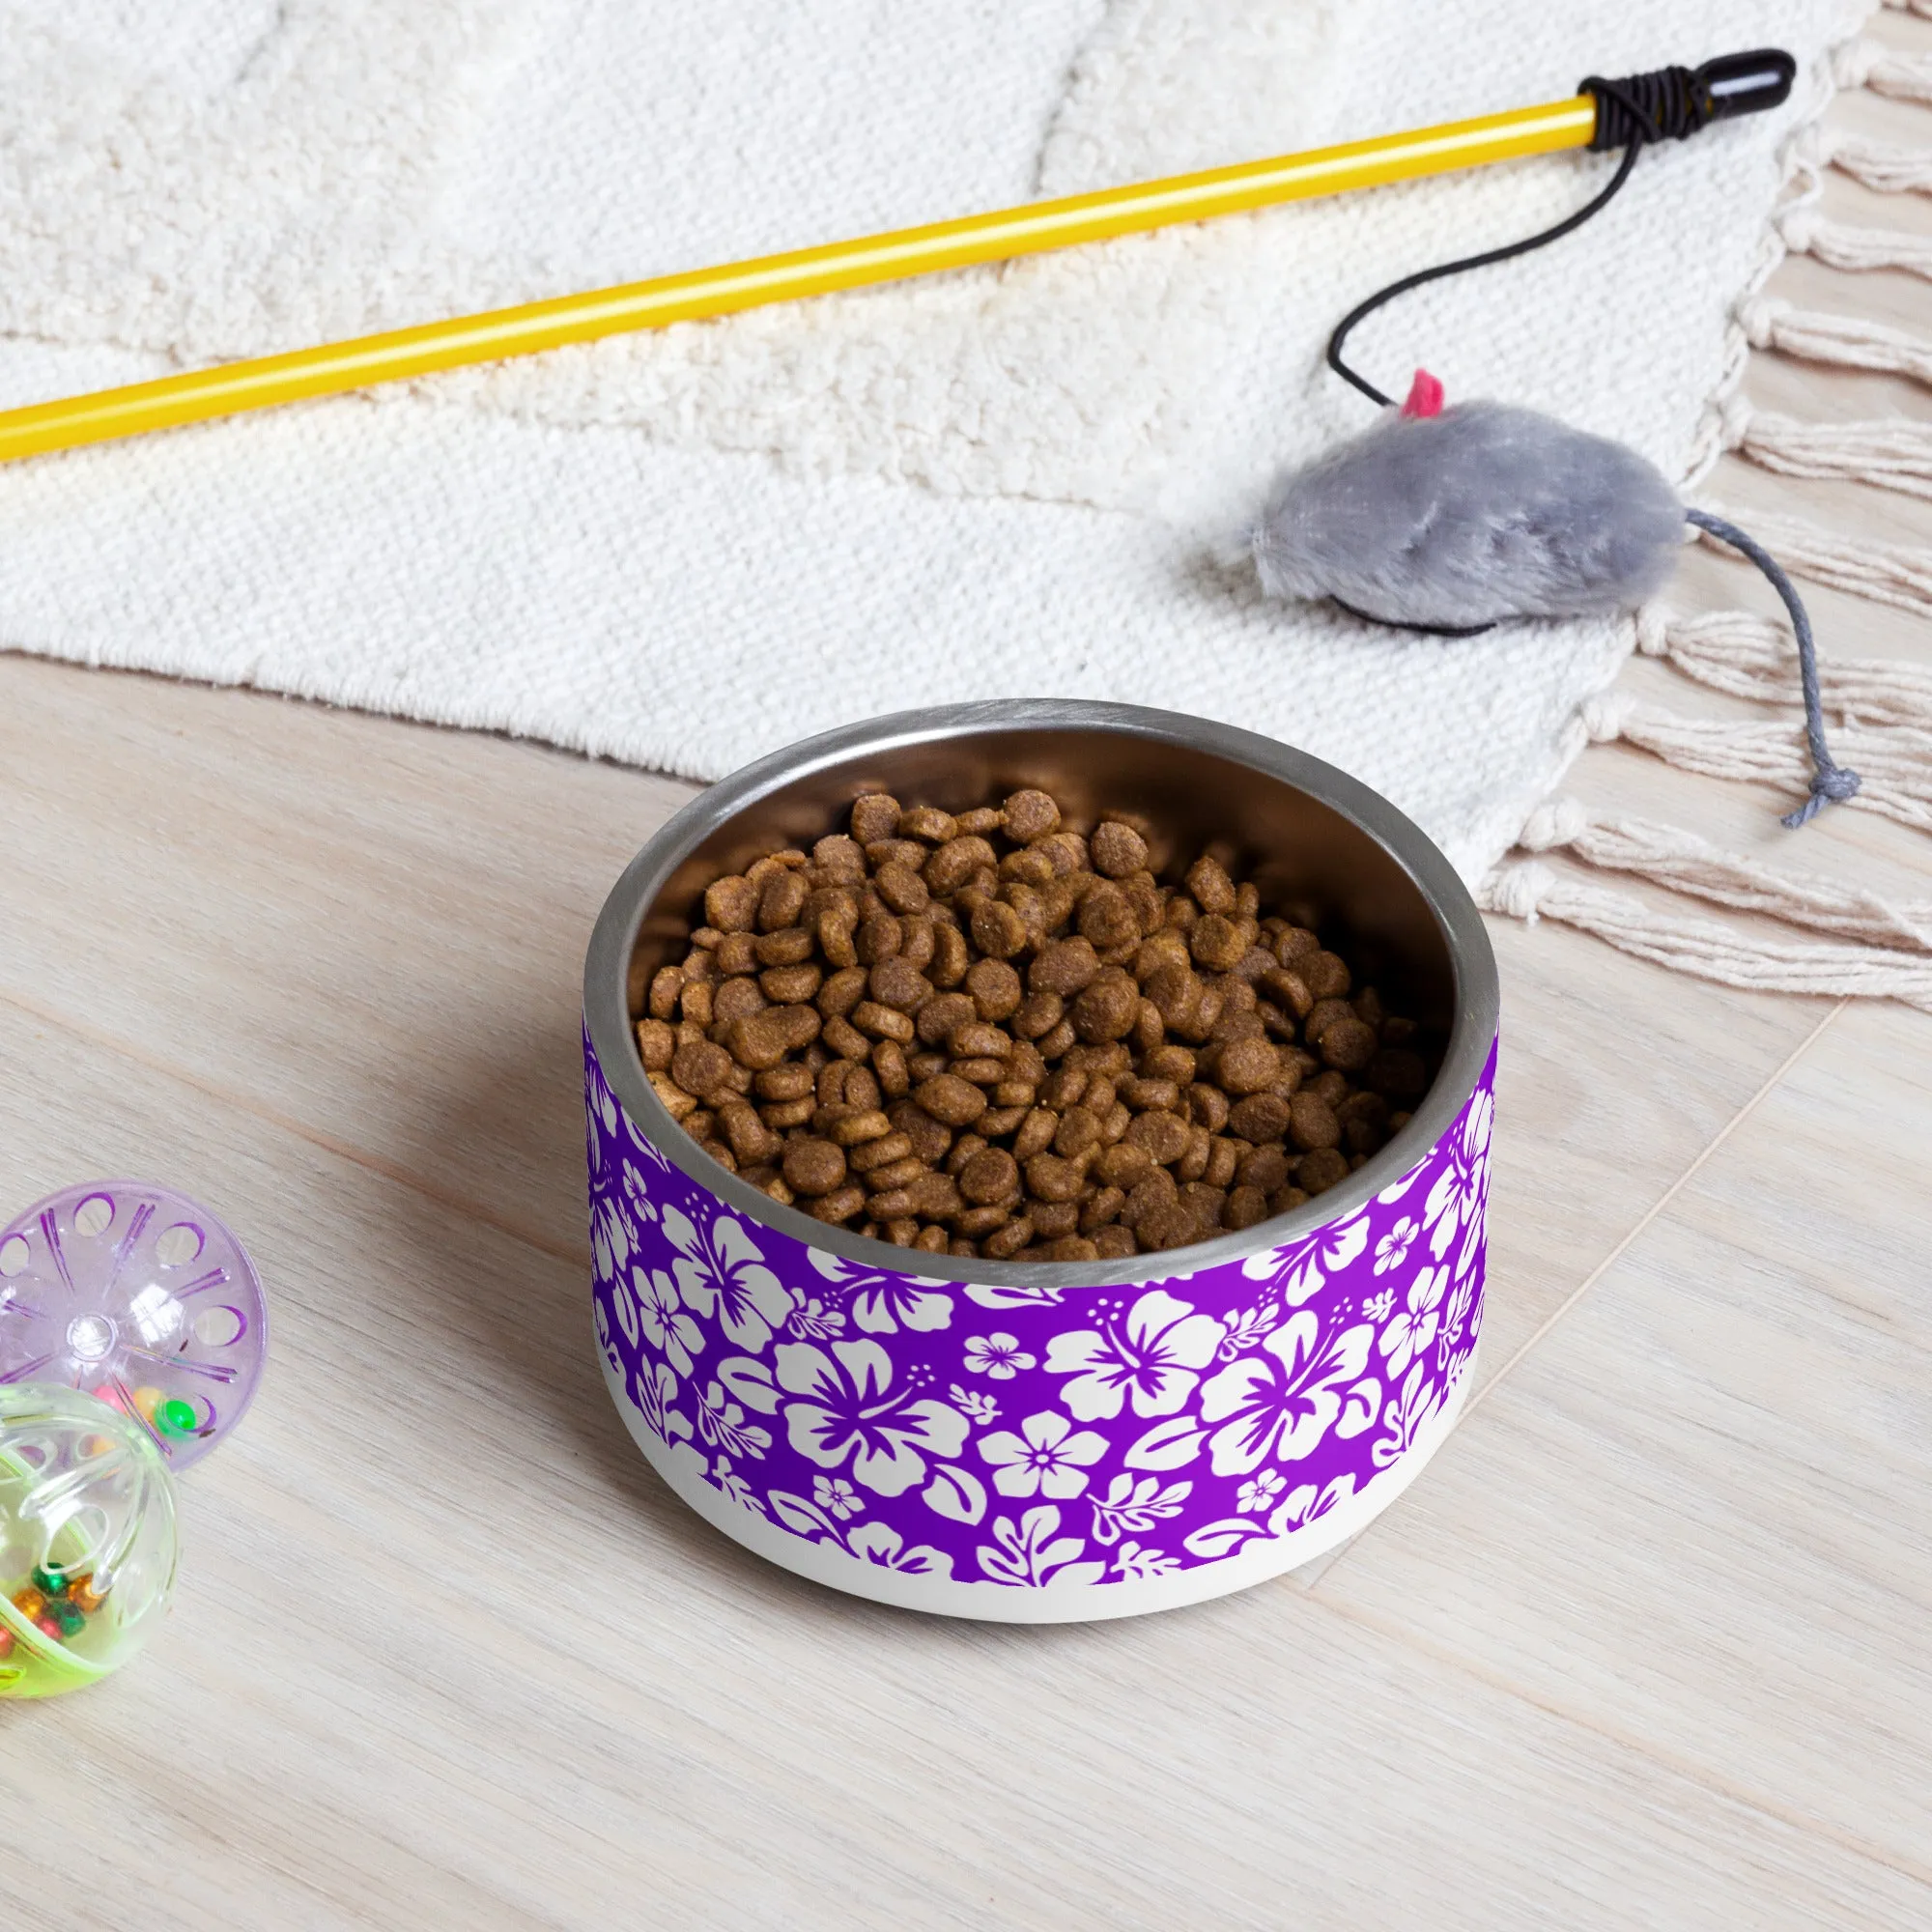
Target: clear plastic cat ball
[87, 1539]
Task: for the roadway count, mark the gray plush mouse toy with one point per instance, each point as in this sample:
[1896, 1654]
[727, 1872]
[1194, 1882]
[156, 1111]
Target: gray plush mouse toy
[1453, 520]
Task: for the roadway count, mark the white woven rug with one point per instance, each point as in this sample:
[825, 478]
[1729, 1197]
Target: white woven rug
[686, 550]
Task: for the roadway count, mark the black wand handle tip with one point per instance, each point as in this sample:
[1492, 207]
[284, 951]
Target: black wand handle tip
[1672, 103]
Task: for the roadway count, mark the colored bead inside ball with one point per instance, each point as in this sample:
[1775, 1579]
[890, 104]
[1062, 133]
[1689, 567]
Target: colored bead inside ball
[87, 1539]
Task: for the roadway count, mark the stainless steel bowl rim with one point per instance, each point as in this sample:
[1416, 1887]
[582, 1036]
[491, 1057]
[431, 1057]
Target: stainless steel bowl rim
[607, 971]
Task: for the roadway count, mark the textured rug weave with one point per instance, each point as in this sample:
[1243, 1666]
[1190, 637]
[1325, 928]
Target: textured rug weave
[685, 550]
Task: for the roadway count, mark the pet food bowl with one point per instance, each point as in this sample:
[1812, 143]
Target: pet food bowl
[1047, 1443]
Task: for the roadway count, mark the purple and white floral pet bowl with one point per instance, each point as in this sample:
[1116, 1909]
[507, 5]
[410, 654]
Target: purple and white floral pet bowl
[1047, 1442]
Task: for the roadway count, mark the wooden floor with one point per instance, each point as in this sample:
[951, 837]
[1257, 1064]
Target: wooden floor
[1646, 1646]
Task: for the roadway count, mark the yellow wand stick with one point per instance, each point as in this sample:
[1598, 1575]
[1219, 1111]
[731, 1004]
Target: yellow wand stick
[1738, 84]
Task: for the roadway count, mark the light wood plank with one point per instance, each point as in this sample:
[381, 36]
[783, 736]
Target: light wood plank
[1696, 1514]
[445, 1653]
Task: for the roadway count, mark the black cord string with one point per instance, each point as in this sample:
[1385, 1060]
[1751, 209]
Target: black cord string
[1671, 104]
[1628, 117]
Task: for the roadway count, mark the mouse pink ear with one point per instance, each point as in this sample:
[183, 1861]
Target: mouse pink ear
[1424, 396]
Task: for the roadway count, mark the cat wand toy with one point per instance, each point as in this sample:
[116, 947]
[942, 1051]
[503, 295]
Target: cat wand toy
[1673, 99]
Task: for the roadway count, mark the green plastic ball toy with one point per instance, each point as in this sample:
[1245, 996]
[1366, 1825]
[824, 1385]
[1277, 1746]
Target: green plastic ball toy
[87, 1539]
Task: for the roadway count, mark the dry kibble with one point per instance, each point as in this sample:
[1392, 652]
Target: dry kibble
[1312, 1122]
[814, 1166]
[1248, 1067]
[731, 905]
[1211, 887]
[1320, 1169]
[991, 1035]
[950, 1100]
[876, 815]
[1348, 1045]
[1216, 943]
[1028, 815]
[1117, 850]
[998, 930]
[656, 1043]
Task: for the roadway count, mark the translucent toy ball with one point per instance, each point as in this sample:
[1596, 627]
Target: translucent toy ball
[131, 1337]
[87, 1539]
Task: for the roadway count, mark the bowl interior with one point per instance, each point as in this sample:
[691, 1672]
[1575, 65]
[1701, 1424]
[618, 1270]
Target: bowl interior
[1309, 860]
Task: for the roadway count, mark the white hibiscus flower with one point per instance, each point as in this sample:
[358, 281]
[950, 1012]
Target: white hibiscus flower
[1155, 1356]
[815, 1322]
[1297, 1271]
[1256, 1496]
[999, 1356]
[1455, 1200]
[721, 1270]
[1392, 1250]
[845, 1411]
[1048, 1457]
[1410, 1330]
[882, 1304]
[881, 1545]
[669, 1330]
[1278, 1405]
[834, 1496]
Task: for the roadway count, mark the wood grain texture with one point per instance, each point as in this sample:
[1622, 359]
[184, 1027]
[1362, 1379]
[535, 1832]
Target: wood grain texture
[1645, 1646]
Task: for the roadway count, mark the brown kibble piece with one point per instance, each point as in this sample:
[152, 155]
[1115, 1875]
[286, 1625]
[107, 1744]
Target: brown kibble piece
[882, 1022]
[731, 904]
[1107, 919]
[1216, 943]
[1326, 975]
[1259, 1117]
[1123, 1165]
[1006, 1242]
[1117, 850]
[1265, 1168]
[656, 1043]
[1321, 1017]
[1079, 1129]
[1209, 886]
[1169, 1226]
[900, 984]
[787, 985]
[1036, 1016]
[839, 858]
[998, 930]
[1320, 1169]
[950, 1100]
[1244, 1208]
[1348, 1045]
[995, 989]
[1028, 816]
[1065, 966]
[1161, 1137]
[1106, 1010]
[868, 1156]
[868, 1125]
[1053, 1178]
[1248, 1067]
[814, 1167]
[903, 889]
[702, 1067]
[874, 816]
[954, 862]
[933, 826]
[991, 1175]
[781, 901]
[1312, 1124]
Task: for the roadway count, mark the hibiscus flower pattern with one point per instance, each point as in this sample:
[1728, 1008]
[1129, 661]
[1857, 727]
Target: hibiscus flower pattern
[1080, 1438]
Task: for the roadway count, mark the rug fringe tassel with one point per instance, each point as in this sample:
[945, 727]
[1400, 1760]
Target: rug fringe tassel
[1880, 165]
[1895, 765]
[1855, 250]
[1846, 342]
[1895, 454]
[1884, 70]
[1529, 890]
[1668, 855]
[1895, 574]
[1748, 656]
